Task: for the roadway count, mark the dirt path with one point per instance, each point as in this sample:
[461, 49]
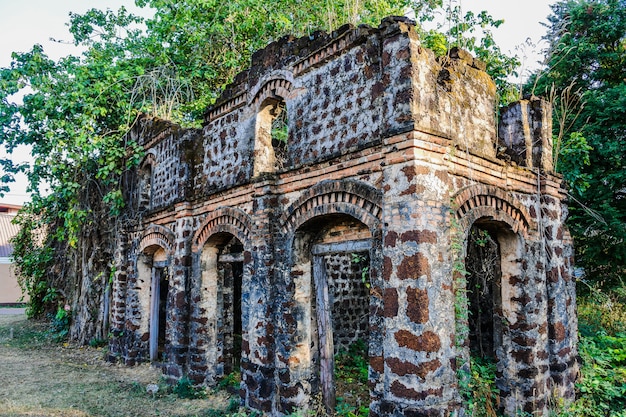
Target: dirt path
[38, 378]
[12, 311]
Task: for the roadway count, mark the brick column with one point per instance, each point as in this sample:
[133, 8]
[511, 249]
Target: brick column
[258, 303]
[418, 346]
[118, 304]
[562, 319]
[178, 303]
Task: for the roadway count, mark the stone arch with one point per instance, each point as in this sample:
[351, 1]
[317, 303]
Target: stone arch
[157, 236]
[223, 220]
[485, 201]
[278, 84]
[148, 159]
[357, 199]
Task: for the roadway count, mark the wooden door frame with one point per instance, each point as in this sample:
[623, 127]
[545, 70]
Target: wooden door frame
[324, 315]
[222, 259]
[155, 304]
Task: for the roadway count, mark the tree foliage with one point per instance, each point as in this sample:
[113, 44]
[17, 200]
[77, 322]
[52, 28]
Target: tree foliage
[473, 32]
[586, 63]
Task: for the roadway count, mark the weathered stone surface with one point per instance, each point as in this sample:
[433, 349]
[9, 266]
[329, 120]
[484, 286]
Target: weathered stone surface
[353, 229]
[427, 342]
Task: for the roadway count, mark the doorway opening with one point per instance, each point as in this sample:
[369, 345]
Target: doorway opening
[230, 269]
[483, 264]
[159, 291]
[493, 263]
[334, 253]
[220, 307]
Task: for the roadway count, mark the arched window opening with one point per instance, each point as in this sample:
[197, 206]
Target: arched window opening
[145, 187]
[272, 133]
[280, 134]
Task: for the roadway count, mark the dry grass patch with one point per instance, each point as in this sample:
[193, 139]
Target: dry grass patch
[41, 378]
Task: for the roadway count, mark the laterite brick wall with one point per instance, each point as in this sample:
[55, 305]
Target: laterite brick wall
[393, 154]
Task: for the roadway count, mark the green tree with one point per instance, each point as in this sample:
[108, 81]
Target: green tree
[73, 114]
[473, 32]
[586, 63]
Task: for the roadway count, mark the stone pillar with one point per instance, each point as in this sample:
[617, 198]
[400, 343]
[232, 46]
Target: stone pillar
[258, 387]
[118, 305]
[419, 348]
[178, 303]
[135, 333]
[522, 358]
[561, 291]
[202, 340]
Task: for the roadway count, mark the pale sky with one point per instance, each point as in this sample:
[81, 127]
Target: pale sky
[24, 23]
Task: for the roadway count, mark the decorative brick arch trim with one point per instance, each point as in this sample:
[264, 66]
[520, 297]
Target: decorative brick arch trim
[275, 87]
[356, 199]
[149, 159]
[488, 201]
[157, 235]
[223, 220]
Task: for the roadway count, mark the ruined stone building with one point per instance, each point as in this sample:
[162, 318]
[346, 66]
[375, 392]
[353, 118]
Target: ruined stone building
[337, 192]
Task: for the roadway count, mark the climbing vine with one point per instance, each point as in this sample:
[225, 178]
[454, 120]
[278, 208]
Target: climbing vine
[459, 274]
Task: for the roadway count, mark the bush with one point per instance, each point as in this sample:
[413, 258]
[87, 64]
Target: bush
[601, 310]
[481, 394]
[230, 382]
[601, 390]
[60, 324]
[185, 389]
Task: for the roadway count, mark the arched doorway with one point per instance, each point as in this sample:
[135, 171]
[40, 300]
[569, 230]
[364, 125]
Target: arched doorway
[493, 262]
[222, 271]
[332, 254]
[153, 280]
[483, 265]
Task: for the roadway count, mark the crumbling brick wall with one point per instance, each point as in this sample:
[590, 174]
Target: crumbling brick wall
[390, 153]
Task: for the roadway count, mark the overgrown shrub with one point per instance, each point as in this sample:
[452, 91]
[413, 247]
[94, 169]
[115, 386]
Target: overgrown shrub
[601, 390]
[602, 387]
[184, 388]
[60, 324]
[481, 395]
[353, 365]
[351, 371]
[601, 310]
[230, 382]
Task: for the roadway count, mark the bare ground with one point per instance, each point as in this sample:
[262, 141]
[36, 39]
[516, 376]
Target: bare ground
[41, 378]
